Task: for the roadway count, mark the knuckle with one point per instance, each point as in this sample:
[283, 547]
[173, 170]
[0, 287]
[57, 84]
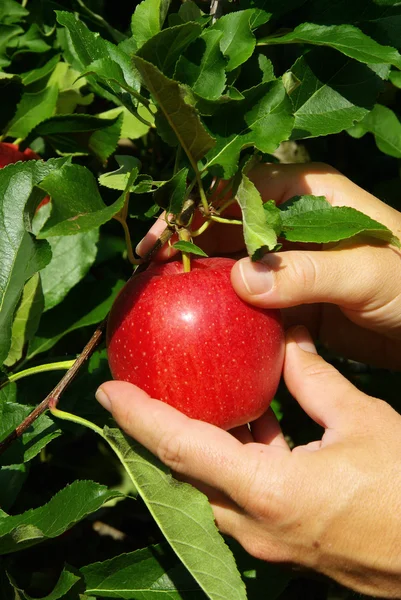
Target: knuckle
[307, 271]
[170, 451]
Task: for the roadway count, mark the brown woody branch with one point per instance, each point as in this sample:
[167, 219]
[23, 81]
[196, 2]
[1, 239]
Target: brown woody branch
[52, 399]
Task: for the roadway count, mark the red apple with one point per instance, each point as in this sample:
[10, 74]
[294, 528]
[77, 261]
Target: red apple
[10, 153]
[188, 339]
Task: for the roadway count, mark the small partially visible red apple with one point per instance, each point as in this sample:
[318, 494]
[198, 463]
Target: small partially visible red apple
[189, 340]
[10, 153]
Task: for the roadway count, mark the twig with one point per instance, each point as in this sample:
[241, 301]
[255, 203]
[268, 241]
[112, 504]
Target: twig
[54, 396]
[216, 10]
[52, 399]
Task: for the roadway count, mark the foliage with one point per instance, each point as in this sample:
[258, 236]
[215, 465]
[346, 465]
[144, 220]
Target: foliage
[136, 110]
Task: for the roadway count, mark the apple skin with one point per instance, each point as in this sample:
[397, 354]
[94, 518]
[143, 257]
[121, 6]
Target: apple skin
[10, 153]
[188, 339]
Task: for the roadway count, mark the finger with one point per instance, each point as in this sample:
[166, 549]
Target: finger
[337, 276]
[325, 395]
[280, 182]
[189, 447]
[267, 430]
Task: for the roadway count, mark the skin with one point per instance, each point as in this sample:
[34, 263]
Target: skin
[334, 504]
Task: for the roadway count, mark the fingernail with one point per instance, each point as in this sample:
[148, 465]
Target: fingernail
[103, 399]
[258, 278]
[302, 338]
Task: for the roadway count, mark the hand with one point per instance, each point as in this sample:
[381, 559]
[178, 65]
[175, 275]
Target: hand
[352, 290]
[333, 505]
[351, 293]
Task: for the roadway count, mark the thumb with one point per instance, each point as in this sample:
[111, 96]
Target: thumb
[337, 276]
[324, 394]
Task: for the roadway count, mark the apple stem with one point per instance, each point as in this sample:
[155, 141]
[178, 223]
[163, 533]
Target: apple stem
[185, 236]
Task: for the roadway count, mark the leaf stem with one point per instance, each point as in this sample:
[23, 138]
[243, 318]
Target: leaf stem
[121, 217]
[227, 221]
[201, 229]
[66, 416]
[56, 366]
[227, 204]
[202, 194]
[128, 243]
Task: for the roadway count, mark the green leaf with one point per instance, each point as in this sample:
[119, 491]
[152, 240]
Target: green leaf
[145, 574]
[41, 433]
[386, 127]
[395, 78]
[263, 119]
[180, 116]
[165, 48]
[80, 134]
[12, 12]
[118, 180]
[189, 247]
[333, 94]
[189, 11]
[73, 90]
[11, 89]
[67, 507]
[185, 517]
[12, 478]
[87, 304]
[87, 47]
[273, 216]
[7, 34]
[103, 142]
[67, 580]
[171, 195]
[72, 257]
[32, 110]
[30, 41]
[76, 203]
[345, 38]
[20, 255]
[238, 42]
[41, 72]
[148, 20]
[313, 219]
[202, 67]
[259, 236]
[132, 127]
[26, 318]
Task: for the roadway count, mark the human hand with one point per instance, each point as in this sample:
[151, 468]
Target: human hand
[332, 505]
[350, 294]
